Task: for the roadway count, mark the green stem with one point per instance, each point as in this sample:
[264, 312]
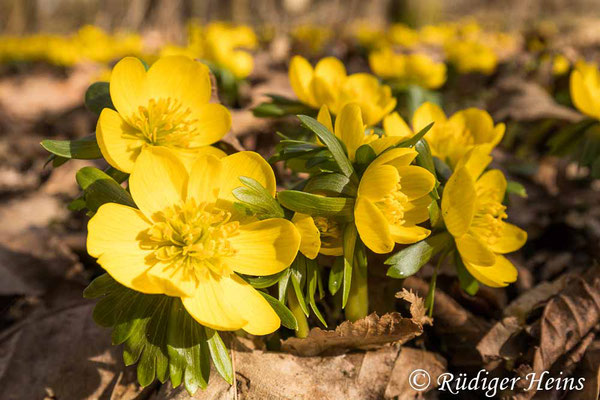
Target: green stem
[357, 306]
[295, 308]
[429, 301]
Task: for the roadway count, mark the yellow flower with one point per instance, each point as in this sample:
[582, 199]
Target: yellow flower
[474, 214]
[407, 69]
[319, 235]
[313, 37]
[186, 239]
[403, 35]
[393, 197]
[471, 56]
[224, 44]
[585, 89]
[328, 84]
[165, 106]
[560, 65]
[450, 138]
[350, 129]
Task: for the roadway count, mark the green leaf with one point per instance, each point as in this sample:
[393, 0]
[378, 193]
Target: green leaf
[285, 315]
[316, 205]
[567, 139]
[425, 160]
[442, 169]
[159, 334]
[332, 143]
[99, 188]
[434, 214]
[82, 149]
[261, 282]
[350, 236]
[97, 97]
[313, 273]
[336, 275]
[256, 198]
[298, 277]
[415, 139]
[418, 95]
[219, 355]
[409, 260]
[332, 183]
[283, 285]
[516, 188]
[467, 282]
[364, 156]
[187, 348]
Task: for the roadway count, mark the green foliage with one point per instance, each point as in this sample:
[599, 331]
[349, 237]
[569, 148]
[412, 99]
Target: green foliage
[350, 236]
[285, 315]
[256, 199]
[97, 97]
[331, 183]
[82, 149]
[316, 205]
[409, 260]
[467, 282]
[99, 188]
[159, 335]
[280, 106]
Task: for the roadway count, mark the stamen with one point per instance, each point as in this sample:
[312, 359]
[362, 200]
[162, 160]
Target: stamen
[193, 236]
[393, 205]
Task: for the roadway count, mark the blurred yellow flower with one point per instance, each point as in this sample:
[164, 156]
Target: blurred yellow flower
[474, 214]
[393, 197]
[224, 44]
[402, 35]
[450, 138]
[187, 241]
[560, 65]
[585, 89]
[164, 106]
[312, 37]
[408, 69]
[328, 84]
[471, 56]
[319, 235]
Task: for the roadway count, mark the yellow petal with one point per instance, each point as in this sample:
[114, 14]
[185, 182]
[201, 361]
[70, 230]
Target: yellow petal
[398, 157]
[384, 143]
[415, 182]
[159, 180]
[474, 251]
[417, 211]
[511, 239]
[378, 181]
[251, 305]
[498, 275]
[408, 234]
[211, 307]
[301, 75]
[189, 156]
[181, 79]
[458, 202]
[350, 129]
[248, 164]
[581, 94]
[113, 238]
[476, 123]
[310, 242]
[493, 183]
[128, 86]
[205, 180]
[323, 92]
[475, 160]
[176, 281]
[394, 125]
[331, 70]
[264, 247]
[372, 226]
[498, 134]
[426, 114]
[324, 118]
[213, 121]
[117, 140]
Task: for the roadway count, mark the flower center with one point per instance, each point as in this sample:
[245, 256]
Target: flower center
[164, 122]
[330, 232]
[489, 215]
[393, 205]
[193, 236]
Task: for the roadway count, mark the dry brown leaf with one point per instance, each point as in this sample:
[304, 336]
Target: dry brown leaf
[519, 100]
[371, 331]
[417, 306]
[373, 375]
[63, 351]
[589, 369]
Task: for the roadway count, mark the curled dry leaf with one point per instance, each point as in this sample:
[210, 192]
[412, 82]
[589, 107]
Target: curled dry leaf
[589, 369]
[369, 332]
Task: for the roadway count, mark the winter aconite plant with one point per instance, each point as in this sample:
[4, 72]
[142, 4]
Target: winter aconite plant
[196, 241]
